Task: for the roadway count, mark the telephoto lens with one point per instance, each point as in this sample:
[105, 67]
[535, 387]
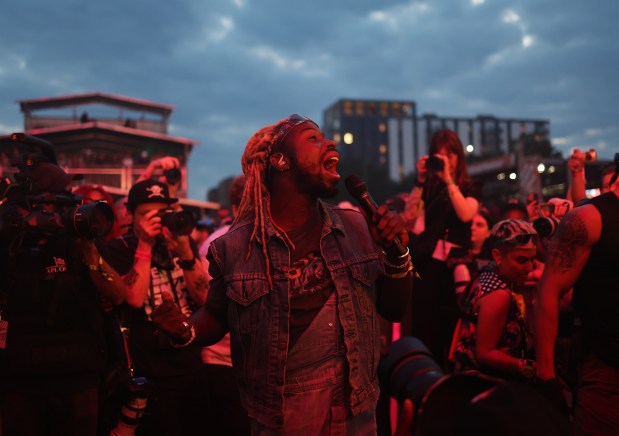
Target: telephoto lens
[94, 220]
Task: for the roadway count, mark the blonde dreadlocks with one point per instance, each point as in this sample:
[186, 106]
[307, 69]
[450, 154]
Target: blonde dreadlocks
[255, 164]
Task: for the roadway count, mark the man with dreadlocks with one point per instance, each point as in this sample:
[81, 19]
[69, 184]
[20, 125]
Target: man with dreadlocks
[298, 284]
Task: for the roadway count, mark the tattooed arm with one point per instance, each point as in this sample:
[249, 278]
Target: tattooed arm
[197, 283]
[568, 253]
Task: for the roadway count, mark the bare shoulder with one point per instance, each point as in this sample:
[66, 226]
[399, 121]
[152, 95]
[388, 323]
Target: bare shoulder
[578, 231]
[581, 225]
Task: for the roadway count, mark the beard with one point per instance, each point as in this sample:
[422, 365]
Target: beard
[315, 185]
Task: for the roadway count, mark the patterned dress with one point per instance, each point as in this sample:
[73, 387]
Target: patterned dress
[515, 336]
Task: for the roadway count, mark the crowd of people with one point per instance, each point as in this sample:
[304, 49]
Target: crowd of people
[136, 319]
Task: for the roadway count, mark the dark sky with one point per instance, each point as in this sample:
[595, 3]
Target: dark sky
[231, 67]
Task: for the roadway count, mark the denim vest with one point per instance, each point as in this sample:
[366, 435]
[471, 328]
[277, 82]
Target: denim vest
[258, 318]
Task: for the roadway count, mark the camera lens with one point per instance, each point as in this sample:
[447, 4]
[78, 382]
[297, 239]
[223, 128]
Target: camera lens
[180, 223]
[94, 220]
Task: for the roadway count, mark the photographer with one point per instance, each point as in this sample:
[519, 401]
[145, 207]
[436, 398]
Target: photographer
[157, 261]
[439, 211]
[52, 349]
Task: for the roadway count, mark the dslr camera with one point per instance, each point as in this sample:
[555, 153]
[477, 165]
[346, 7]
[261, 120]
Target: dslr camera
[180, 223]
[172, 175]
[434, 164]
[28, 214]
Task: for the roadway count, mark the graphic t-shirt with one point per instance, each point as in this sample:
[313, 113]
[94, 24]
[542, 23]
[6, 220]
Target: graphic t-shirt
[310, 287]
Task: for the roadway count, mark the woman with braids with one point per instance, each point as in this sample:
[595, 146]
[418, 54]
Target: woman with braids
[299, 284]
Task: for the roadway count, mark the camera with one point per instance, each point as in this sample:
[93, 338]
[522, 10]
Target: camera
[172, 175]
[133, 408]
[29, 214]
[435, 164]
[590, 155]
[546, 226]
[409, 370]
[180, 223]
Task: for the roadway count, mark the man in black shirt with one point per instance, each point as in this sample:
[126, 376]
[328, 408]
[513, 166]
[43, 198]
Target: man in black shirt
[584, 254]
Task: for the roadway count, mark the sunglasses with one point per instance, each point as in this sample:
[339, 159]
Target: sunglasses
[521, 239]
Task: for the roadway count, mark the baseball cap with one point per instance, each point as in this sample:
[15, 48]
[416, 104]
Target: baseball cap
[148, 191]
[47, 177]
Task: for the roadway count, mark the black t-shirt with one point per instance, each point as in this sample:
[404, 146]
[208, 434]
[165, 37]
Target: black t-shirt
[596, 292]
[151, 353]
[441, 221]
[55, 333]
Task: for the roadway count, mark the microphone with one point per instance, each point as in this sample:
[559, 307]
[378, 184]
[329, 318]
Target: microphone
[359, 191]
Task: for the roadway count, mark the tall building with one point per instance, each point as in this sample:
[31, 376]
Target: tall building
[376, 134]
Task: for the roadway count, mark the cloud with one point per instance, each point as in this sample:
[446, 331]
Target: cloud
[231, 67]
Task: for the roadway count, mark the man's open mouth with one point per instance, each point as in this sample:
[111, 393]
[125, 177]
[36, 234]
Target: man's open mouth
[331, 164]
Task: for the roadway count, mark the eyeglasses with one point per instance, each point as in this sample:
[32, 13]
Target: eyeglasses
[521, 239]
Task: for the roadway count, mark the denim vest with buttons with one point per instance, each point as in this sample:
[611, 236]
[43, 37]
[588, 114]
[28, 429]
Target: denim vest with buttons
[258, 318]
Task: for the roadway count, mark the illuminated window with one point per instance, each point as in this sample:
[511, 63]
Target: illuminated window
[382, 149]
[384, 109]
[407, 109]
[395, 108]
[348, 139]
[337, 138]
[348, 108]
[359, 109]
[382, 127]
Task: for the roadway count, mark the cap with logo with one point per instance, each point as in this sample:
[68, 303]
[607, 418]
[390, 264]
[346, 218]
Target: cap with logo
[148, 191]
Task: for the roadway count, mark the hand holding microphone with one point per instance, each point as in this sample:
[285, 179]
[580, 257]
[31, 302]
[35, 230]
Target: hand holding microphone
[388, 226]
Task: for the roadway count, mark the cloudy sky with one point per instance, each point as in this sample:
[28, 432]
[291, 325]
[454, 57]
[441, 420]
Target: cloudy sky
[231, 66]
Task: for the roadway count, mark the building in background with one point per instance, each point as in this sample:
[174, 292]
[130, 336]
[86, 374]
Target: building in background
[382, 140]
[110, 139]
[375, 135]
